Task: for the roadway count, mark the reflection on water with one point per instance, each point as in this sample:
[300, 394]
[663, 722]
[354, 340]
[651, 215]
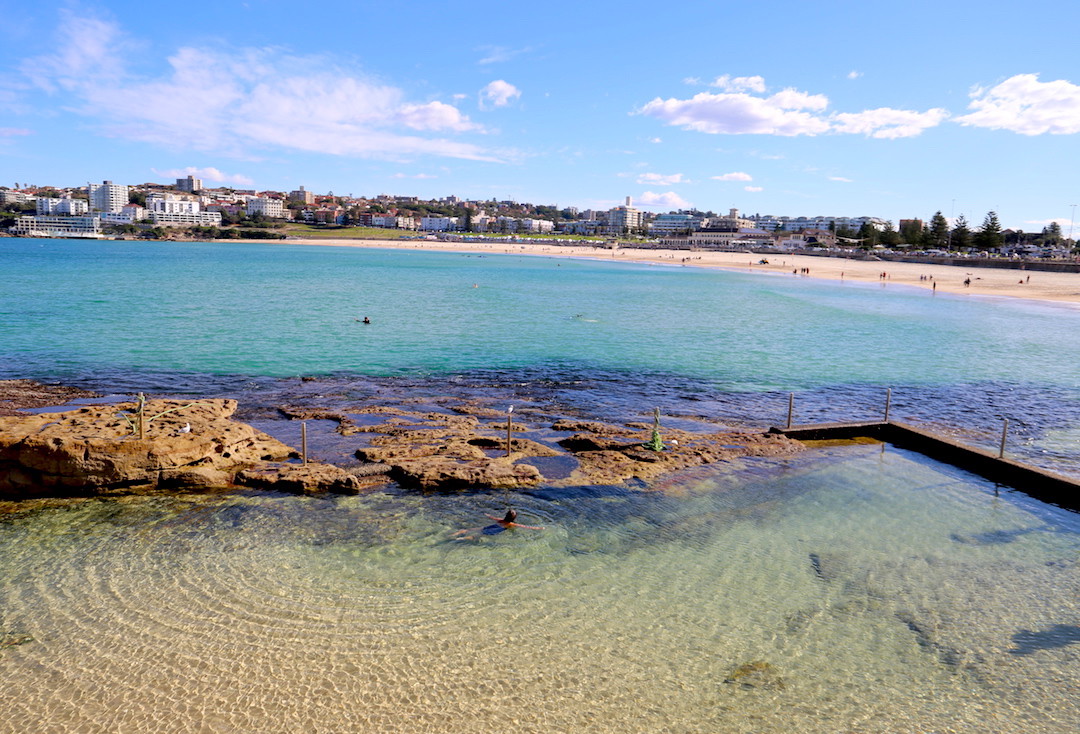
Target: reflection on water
[859, 590]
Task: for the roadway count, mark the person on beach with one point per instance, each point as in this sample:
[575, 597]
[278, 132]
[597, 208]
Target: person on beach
[501, 523]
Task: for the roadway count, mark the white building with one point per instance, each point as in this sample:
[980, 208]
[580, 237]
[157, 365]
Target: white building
[11, 196]
[185, 219]
[268, 207]
[171, 210]
[107, 196]
[666, 224]
[439, 224]
[720, 238]
[63, 207]
[796, 224]
[57, 226]
[128, 215]
[624, 219]
[171, 204]
[536, 225]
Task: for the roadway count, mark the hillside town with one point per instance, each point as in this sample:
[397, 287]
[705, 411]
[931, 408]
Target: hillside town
[186, 209]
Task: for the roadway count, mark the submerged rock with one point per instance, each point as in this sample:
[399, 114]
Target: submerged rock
[755, 674]
[18, 395]
[303, 478]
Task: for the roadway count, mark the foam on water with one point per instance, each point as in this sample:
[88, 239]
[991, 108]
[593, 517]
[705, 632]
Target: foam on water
[882, 591]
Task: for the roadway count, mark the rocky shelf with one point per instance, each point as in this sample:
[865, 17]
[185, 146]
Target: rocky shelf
[198, 446]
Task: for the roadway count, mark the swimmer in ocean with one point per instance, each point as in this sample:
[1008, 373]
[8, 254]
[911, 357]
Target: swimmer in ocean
[501, 523]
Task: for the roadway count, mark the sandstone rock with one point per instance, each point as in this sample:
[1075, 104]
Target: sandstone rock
[94, 450]
[440, 472]
[301, 478]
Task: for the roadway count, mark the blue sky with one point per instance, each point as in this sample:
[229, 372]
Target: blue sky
[836, 108]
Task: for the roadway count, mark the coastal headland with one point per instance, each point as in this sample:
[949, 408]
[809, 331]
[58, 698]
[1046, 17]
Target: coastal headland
[955, 279]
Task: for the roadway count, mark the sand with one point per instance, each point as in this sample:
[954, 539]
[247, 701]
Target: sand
[1029, 284]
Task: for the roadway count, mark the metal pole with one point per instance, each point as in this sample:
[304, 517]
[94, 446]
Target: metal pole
[790, 408]
[509, 427]
[1004, 432]
[888, 403]
[303, 440]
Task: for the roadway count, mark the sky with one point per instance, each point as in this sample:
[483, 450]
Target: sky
[833, 108]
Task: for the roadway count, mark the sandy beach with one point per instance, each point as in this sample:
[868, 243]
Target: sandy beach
[1030, 284]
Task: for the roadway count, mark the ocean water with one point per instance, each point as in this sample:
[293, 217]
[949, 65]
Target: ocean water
[856, 588]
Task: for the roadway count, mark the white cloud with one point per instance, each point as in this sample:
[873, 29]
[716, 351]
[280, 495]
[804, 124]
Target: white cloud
[665, 200]
[788, 112]
[841, 179]
[415, 175]
[238, 101]
[737, 114]
[499, 93]
[1024, 105]
[854, 74]
[888, 123]
[209, 174]
[1062, 222]
[739, 83]
[734, 176]
[753, 189]
[498, 54]
[435, 116]
[655, 140]
[8, 132]
[658, 179]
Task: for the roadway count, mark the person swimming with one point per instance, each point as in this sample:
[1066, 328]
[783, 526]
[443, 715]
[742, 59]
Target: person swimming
[501, 523]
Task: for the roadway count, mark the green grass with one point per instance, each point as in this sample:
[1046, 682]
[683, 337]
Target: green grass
[316, 231]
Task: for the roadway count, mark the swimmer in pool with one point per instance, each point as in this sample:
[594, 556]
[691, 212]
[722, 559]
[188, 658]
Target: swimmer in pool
[501, 523]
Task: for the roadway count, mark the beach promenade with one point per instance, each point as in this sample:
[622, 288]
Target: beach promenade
[1006, 282]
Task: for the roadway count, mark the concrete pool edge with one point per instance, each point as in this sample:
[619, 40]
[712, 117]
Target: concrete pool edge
[1038, 483]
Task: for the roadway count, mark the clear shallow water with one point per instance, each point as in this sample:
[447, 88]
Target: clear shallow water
[886, 593]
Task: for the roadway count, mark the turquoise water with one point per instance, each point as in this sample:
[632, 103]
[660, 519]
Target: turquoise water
[68, 307]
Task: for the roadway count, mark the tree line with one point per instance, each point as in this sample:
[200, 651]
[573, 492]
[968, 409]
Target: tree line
[938, 235]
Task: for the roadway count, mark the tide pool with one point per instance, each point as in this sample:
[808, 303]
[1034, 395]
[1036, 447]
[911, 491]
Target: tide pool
[857, 590]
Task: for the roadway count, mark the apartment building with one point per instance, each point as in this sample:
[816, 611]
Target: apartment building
[62, 207]
[624, 219]
[303, 196]
[266, 206]
[107, 196]
[189, 185]
[666, 224]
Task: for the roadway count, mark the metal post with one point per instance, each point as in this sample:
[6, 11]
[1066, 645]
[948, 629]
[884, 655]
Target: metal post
[303, 441]
[1004, 432]
[142, 417]
[888, 403]
[509, 427]
[790, 408]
